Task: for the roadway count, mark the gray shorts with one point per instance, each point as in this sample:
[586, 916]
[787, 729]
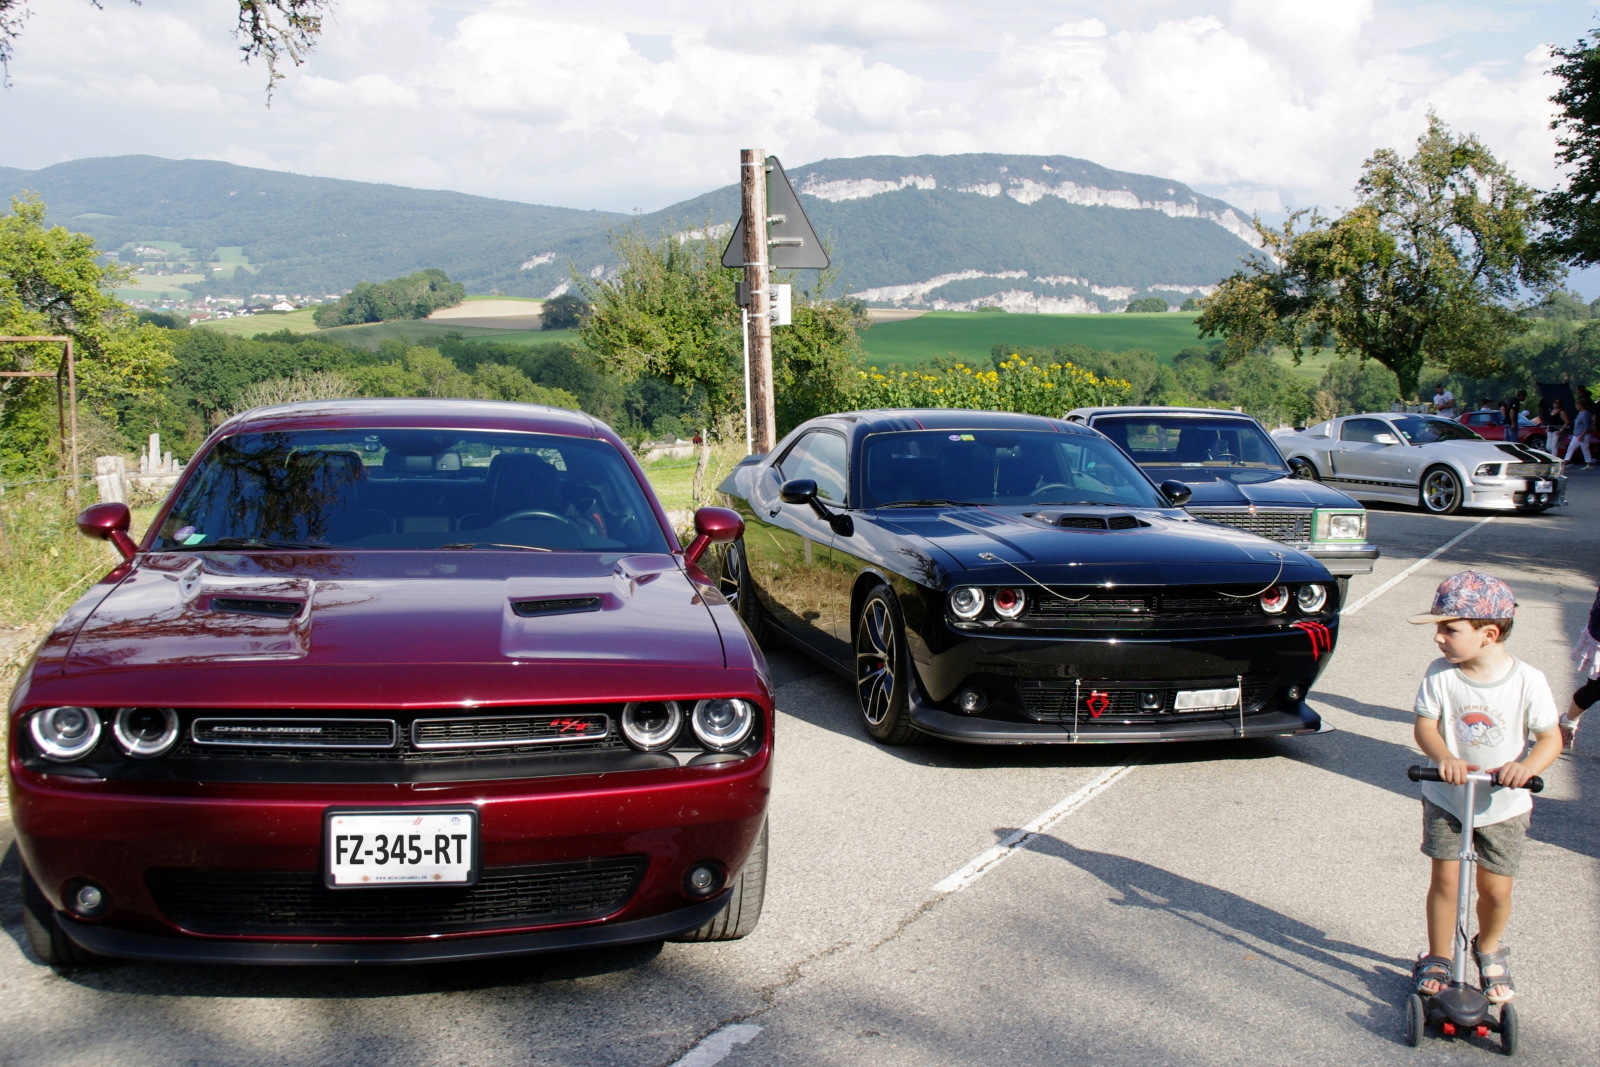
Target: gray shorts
[1499, 845]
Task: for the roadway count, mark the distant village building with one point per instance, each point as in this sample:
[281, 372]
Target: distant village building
[283, 305]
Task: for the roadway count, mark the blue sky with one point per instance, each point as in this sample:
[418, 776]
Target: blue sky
[625, 104]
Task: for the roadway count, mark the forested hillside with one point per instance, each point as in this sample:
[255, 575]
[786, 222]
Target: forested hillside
[1042, 233]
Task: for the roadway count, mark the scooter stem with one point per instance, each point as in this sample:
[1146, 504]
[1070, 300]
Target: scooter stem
[1468, 859]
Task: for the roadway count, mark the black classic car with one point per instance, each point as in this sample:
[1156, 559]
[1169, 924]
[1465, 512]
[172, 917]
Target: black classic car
[1004, 578]
[1238, 478]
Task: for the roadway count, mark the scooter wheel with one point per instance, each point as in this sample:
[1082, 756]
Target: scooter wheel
[1508, 1029]
[1416, 1019]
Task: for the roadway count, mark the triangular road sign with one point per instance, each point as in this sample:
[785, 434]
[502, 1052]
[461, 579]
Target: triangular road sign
[791, 242]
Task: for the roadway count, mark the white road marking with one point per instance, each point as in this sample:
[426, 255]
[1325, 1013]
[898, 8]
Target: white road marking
[715, 1047]
[992, 858]
[1409, 571]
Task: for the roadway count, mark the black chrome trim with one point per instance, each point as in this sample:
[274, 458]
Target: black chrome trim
[257, 741]
[501, 742]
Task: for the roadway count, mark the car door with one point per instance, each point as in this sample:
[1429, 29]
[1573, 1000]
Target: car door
[1360, 462]
[797, 574]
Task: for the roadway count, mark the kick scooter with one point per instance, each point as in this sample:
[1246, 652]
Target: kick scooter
[1460, 1008]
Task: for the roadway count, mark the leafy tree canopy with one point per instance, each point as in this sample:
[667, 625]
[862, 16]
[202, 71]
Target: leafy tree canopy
[564, 312]
[269, 30]
[1573, 213]
[416, 296]
[1420, 270]
[50, 285]
[1147, 305]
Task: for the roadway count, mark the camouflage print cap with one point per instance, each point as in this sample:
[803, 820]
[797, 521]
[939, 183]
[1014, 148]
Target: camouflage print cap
[1470, 595]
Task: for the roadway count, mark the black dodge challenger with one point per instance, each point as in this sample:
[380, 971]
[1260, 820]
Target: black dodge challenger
[1001, 578]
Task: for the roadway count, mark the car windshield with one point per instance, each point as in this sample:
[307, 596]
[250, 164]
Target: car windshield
[411, 489]
[1423, 430]
[999, 467]
[1197, 448]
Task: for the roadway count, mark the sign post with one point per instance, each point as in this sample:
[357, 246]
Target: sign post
[773, 231]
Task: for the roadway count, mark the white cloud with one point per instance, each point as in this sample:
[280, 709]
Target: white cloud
[1270, 104]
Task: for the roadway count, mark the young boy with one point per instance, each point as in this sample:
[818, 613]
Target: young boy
[1476, 708]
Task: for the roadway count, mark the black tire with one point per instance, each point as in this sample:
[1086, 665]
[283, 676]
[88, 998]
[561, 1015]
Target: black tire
[739, 918]
[1301, 467]
[1509, 1035]
[1416, 1020]
[1440, 491]
[737, 589]
[883, 669]
[49, 944]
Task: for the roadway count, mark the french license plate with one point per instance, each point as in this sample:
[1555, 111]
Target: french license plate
[1198, 699]
[1543, 486]
[368, 847]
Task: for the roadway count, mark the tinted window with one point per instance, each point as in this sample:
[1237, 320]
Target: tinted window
[1000, 467]
[1364, 431]
[818, 455]
[412, 489]
[1421, 430]
[1173, 446]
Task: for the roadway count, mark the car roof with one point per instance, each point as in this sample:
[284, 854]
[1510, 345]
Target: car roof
[885, 420]
[417, 412]
[1157, 409]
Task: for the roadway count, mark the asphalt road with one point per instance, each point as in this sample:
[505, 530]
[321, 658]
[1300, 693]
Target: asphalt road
[1223, 903]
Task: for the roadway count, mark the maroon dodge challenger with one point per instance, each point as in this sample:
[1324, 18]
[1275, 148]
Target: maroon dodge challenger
[394, 681]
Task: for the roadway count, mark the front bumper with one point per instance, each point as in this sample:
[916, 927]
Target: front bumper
[1515, 494]
[1342, 560]
[133, 945]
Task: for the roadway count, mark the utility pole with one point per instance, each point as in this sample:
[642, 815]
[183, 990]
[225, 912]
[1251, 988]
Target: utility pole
[753, 190]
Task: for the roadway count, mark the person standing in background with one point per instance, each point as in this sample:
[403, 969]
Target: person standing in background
[1444, 402]
[1582, 429]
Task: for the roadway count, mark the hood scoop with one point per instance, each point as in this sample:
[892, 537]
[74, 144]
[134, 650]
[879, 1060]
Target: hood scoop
[540, 607]
[271, 609]
[1072, 520]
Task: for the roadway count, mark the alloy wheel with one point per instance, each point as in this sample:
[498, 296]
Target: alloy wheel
[877, 653]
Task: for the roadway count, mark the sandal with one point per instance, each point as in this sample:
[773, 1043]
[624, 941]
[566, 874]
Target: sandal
[1430, 969]
[1487, 981]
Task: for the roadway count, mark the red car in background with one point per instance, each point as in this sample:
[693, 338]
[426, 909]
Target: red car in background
[1491, 426]
[394, 681]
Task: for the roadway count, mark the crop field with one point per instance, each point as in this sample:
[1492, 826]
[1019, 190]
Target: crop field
[158, 286]
[272, 322]
[371, 335]
[969, 335]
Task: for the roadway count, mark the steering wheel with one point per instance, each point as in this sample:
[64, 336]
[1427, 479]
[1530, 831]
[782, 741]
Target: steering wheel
[534, 513]
[1055, 485]
[1218, 457]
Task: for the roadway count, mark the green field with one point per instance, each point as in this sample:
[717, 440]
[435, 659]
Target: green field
[158, 287]
[969, 335]
[370, 336]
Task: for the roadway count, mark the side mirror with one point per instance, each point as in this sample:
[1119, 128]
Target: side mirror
[713, 526]
[1177, 492]
[798, 491]
[1385, 439]
[109, 522]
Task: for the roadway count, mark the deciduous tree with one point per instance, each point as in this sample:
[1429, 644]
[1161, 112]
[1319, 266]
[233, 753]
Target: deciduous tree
[1421, 270]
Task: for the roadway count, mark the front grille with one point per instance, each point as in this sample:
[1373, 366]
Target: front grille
[1531, 470]
[1292, 525]
[294, 903]
[1125, 702]
[1156, 609]
[254, 734]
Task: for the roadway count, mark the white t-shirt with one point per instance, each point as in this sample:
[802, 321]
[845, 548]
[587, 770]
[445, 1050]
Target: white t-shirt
[1443, 401]
[1488, 725]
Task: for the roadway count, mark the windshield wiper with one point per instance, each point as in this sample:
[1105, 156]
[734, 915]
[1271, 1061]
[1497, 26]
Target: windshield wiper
[931, 503]
[496, 544]
[1083, 503]
[257, 542]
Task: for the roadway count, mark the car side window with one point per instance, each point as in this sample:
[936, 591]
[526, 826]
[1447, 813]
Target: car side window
[1363, 431]
[820, 456]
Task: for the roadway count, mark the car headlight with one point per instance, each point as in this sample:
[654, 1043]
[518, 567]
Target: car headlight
[723, 723]
[651, 725]
[1340, 526]
[145, 733]
[966, 602]
[65, 734]
[1008, 603]
[1489, 470]
[1275, 600]
[1312, 598]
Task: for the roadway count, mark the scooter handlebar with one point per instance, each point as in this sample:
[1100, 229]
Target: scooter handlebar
[1431, 774]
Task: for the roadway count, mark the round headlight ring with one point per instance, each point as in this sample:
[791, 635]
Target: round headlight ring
[651, 725]
[1275, 601]
[66, 733]
[1009, 603]
[145, 733]
[1312, 598]
[966, 602]
[723, 723]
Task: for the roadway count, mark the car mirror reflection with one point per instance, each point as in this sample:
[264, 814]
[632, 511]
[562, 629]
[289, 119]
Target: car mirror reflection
[1176, 491]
